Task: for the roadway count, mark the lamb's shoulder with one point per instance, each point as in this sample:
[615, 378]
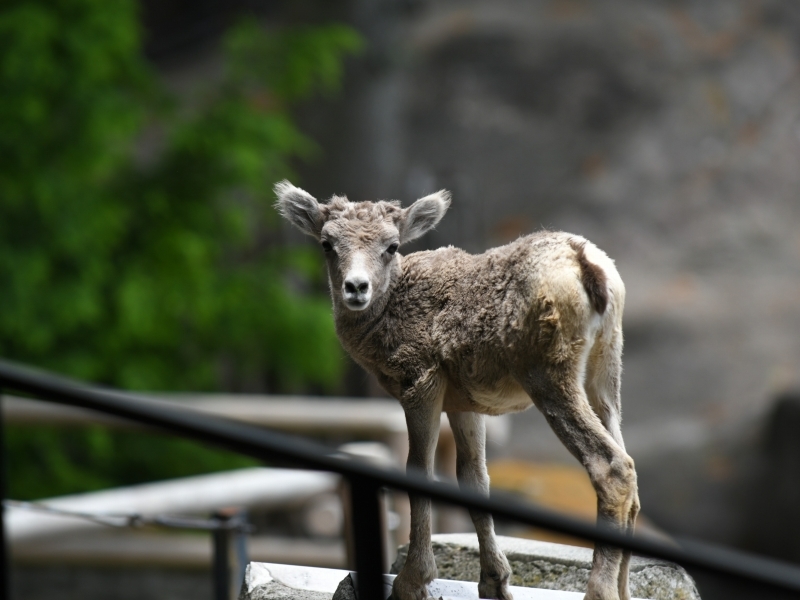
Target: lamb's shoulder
[427, 286]
[491, 297]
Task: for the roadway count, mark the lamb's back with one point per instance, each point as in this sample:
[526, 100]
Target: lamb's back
[482, 302]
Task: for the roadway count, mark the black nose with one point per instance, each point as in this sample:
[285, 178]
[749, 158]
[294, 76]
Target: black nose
[358, 287]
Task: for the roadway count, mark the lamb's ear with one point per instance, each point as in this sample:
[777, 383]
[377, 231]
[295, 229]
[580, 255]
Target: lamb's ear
[300, 208]
[423, 215]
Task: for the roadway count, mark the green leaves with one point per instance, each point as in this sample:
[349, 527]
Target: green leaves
[137, 237]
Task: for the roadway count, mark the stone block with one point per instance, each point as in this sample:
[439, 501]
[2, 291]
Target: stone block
[553, 566]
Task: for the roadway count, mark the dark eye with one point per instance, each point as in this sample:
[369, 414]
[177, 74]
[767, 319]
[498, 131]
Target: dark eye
[392, 249]
[326, 245]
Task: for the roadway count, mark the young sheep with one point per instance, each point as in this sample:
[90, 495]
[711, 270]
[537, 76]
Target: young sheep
[537, 321]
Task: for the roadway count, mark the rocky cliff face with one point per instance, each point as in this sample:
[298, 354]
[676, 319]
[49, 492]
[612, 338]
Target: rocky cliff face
[668, 133]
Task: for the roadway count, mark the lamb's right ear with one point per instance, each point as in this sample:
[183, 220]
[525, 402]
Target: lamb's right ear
[300, 208]
[423, 215]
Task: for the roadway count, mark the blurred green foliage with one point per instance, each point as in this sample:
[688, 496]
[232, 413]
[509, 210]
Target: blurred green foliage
[138, 244]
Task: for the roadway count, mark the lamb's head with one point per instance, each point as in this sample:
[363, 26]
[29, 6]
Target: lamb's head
[359, 239]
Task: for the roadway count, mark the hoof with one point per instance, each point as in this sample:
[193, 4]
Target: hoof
[624, 593]
[495, 589]
[596, 594]
[402, 590]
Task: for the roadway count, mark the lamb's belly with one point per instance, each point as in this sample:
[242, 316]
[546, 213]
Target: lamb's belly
[504, 398]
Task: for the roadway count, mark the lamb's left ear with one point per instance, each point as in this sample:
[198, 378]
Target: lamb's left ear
[423, 215]
[300, 208]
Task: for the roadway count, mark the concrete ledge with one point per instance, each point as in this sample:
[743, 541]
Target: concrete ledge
[256, 487]
[553, 566]
[266, 581]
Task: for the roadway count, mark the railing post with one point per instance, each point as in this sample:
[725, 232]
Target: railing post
[367, 537]
[230, 535]
[222, 559]
[241, 558]
[5, 566]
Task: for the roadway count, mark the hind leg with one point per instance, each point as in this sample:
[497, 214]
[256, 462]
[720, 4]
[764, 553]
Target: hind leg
[604, 370]
[469, 431]
[559, 394]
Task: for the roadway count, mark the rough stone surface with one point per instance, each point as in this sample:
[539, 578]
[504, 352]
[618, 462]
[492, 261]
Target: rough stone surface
[553, 566]
[277, 591]
[346, 590]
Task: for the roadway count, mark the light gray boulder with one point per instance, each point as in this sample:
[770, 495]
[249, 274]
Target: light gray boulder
[553, 566]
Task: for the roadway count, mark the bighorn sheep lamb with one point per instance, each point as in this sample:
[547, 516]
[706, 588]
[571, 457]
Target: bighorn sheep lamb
[537, 321]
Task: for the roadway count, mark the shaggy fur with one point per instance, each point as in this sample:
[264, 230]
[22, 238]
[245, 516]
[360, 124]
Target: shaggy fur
[535, 322]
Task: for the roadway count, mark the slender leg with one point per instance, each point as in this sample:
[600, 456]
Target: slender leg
[423, 422]
[625, 564]
[604, 371]
[561, 398]
[469, 431]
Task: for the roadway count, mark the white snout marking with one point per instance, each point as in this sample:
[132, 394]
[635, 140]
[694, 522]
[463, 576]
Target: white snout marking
[357, 289]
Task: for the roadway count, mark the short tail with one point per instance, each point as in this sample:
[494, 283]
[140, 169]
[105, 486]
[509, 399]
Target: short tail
[593, 278]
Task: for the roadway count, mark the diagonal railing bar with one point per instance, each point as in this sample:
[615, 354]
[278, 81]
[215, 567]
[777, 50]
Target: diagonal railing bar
[272, 446]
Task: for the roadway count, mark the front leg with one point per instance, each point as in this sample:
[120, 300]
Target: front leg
[423, 417]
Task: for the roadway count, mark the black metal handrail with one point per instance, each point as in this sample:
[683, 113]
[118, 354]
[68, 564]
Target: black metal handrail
[366, 482]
